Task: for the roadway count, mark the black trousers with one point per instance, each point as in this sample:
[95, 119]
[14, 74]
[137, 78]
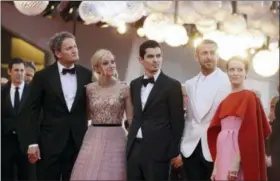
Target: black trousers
[269, 174]
[14, 163]
[32, 171]
[196, 167]
[58, 167]
[142, 167]
[177, 173]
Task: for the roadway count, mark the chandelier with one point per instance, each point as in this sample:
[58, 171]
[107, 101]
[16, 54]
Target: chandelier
[249, 26]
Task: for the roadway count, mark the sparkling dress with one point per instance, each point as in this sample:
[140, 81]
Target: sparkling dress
[102, 154]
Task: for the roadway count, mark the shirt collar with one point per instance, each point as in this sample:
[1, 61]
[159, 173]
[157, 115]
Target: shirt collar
[210, 75]
[61, 67]
[20, 86]
[155, 76]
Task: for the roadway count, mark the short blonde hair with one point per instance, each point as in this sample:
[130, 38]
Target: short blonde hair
[203, 42]
[98, 57]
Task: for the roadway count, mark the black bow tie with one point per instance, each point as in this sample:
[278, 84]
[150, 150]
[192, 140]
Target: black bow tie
[70, 71]
[149, 80]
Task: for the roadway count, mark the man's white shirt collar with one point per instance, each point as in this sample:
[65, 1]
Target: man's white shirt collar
[20, 86]
[155, 76]
[61, 67]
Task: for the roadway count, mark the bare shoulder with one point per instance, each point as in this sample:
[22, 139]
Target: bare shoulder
[124, 87]
[124, 84]
[91, 85]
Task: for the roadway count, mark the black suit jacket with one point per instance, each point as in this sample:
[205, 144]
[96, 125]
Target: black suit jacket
[161, 120]
[12, 120]
[57, 122]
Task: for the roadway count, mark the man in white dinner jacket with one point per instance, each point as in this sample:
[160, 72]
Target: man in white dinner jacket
[205, 92]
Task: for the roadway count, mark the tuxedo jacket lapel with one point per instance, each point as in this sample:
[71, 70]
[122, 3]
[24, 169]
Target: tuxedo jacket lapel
[56, 83]
[192, 88]
[138, 102]
[157, 87]
[212, 91]
[210, 94]
[23, 97]
[8, 98]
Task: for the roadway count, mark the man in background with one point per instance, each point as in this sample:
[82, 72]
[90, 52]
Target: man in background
[274, 143]
[271, 118]
[30, 70]
[13, 132]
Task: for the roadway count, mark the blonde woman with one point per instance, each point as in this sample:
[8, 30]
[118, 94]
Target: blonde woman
[102, 155]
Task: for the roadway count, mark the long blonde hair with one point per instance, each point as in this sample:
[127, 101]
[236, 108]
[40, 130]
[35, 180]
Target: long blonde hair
[98, 57]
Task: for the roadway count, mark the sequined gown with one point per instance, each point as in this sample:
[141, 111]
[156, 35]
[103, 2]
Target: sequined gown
[102, 154]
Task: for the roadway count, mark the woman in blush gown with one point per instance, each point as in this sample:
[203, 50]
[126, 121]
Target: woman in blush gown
[238, 131]
[102, 154]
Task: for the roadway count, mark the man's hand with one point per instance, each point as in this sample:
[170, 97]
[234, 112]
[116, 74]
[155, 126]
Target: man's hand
[177, 161]
[4, 80]
[33, 154]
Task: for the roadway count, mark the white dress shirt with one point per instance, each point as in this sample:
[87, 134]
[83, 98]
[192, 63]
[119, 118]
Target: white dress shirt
[13, 90]
[145, 92]
[69, 85]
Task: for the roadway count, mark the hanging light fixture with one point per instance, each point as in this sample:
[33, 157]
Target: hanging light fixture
[88, 12]
[31, 8]
[176, 34]
[266, 63]
[155, 25]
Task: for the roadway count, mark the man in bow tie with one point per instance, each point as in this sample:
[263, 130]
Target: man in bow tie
[155, 132]
[59, 92]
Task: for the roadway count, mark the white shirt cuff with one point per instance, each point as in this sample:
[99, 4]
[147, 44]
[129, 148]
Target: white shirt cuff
[33, 145]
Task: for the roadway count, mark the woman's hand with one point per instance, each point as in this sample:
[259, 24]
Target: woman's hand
[213, 177]
[232, 175]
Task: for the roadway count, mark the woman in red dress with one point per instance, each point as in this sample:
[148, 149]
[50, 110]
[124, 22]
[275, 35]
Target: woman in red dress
[237, 133]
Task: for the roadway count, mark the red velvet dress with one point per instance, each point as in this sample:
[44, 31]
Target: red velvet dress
[253, 132]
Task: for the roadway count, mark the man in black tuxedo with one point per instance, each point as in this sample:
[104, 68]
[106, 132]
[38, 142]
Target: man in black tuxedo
[13, 135]
[30, 70]
[156, 129]
[59, 91]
